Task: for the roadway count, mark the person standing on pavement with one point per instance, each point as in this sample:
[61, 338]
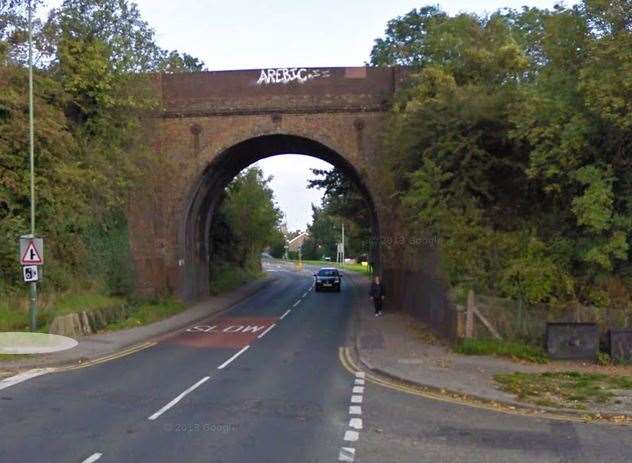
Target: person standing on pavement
[377, 293]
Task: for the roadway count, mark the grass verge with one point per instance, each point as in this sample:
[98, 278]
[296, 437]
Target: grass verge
[510, 349]
[14, 314]
[148, 312]
[229, 277]
[568, 389]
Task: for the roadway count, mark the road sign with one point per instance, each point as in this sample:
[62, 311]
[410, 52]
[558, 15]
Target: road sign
[31, 251]
[31, 273]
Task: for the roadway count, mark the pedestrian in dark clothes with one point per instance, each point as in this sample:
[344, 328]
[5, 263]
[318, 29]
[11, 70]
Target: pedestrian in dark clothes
[377, 293]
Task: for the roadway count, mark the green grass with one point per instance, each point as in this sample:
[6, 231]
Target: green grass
[83, 301]
[510, 349]
[14, 316]
[148, 312]
[569, 389]
[228, 278]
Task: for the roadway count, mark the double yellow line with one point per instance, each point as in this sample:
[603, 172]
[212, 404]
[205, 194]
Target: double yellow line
[107, 358]
[347, 361]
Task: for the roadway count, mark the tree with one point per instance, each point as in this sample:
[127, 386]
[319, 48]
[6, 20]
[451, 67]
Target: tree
[251, 216]
[404, 43]
[509, 111]
[344, 203]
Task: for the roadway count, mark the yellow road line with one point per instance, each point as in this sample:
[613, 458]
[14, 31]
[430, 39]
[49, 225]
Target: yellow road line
[349, 364]
[107, 358]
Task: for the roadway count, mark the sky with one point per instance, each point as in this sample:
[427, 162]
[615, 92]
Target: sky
[253, 34]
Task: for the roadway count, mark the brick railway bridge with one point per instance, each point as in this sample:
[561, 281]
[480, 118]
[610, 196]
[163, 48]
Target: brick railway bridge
[214, 124]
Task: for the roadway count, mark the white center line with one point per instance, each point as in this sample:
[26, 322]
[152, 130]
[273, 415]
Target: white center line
[265, 332]
[227, 362]
[176, 400]
[285, 314]
[92, 458]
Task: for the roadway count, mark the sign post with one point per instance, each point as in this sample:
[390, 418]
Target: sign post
[31, 257]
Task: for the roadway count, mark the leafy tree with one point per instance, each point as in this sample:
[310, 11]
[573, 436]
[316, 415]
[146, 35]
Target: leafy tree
[405, 41]
[251, 216]
[511, 142]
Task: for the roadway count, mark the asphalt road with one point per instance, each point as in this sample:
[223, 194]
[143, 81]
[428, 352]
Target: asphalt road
[263, 383]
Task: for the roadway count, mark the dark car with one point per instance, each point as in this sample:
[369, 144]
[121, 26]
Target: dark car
[327, 278]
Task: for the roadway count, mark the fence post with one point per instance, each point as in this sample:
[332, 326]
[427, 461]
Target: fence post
[469, 314]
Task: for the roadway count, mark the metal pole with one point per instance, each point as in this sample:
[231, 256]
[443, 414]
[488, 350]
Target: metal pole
[33, 285]
[342, 256]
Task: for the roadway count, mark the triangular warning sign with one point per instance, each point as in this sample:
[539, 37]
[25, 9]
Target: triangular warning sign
[31, 256]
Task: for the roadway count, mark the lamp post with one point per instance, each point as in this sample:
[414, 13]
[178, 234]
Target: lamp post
[32, 285]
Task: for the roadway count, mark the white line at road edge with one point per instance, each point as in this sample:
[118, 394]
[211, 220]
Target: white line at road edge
[13, 380]
[266, 331]
[92, 458]
[285, 314]
[179, 398]
[227, 362]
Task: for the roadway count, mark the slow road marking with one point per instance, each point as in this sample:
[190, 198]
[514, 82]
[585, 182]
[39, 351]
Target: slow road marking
[179, 398]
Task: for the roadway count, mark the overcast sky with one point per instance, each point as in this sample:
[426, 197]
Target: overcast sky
[252, 34]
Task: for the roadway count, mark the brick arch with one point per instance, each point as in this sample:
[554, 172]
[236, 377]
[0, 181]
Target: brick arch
[205, 193]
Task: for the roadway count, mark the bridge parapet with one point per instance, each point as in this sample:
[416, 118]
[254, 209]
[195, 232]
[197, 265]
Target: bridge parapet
[286, 90]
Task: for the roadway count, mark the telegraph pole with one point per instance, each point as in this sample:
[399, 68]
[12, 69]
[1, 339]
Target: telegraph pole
[32, 285]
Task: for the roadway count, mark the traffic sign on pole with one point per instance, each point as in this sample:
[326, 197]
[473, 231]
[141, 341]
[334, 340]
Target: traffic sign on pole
[31, 250]
[31, 273]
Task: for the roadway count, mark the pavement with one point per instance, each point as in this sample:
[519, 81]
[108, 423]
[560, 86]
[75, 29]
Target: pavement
[264, 381]
[398, 346]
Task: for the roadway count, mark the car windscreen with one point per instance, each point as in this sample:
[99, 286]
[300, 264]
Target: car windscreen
[328, 273]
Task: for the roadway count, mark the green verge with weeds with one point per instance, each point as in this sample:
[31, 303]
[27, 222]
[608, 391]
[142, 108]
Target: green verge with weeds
[228, 277]
[146, 312]
[511, 349]
[568, 389]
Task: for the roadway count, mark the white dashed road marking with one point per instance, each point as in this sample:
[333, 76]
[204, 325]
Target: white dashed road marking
[94, 457]
[266, 331]
[355, 423]
[346, 454]
[297, 303]
[174, 401]
[227, 362]
[285, 314]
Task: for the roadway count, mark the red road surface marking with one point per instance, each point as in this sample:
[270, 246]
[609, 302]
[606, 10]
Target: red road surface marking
[223, 333]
